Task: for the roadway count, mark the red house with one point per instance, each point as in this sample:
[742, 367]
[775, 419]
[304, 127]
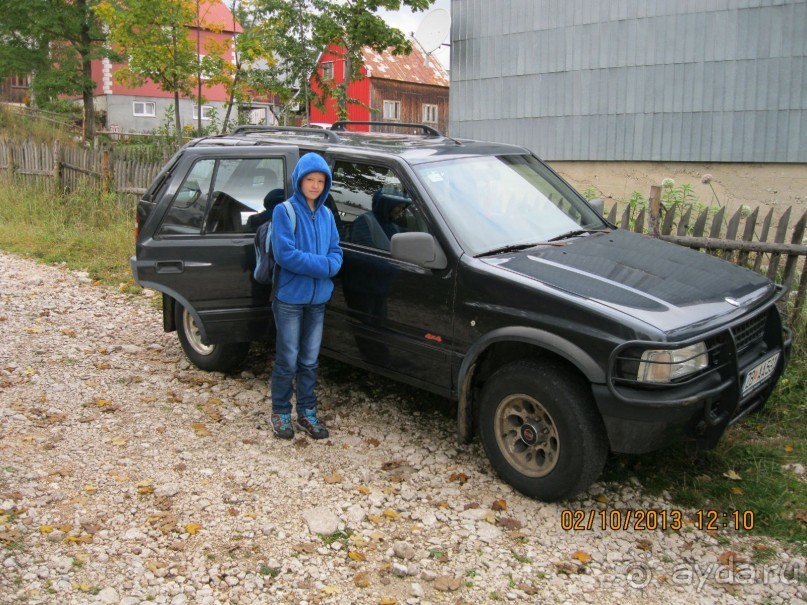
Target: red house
[406, 88]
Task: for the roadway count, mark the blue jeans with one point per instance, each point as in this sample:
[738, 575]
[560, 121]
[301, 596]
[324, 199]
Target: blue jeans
[299, 334]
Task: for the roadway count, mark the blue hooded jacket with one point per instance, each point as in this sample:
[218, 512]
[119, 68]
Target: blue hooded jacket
[310, 255]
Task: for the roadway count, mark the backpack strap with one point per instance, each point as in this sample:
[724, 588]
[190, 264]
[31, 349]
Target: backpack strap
[292, 214]
[293, 218]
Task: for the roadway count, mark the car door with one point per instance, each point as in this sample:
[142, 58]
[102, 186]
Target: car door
[201, 251]
[386, 314]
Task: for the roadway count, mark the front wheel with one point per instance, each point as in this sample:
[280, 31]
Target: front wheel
[221, 357]
[541, 430]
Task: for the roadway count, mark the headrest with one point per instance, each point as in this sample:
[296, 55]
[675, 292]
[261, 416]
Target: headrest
[273, 198]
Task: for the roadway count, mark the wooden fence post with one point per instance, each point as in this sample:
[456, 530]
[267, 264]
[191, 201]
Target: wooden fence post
[11, 167]
[107, 176]
[57, 167]
[655, 210]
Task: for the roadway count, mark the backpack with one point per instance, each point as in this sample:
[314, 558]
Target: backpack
[264, 258]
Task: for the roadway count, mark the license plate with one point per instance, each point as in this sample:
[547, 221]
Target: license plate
[759, 373]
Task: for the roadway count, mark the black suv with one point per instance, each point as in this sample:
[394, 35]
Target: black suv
[494, 283]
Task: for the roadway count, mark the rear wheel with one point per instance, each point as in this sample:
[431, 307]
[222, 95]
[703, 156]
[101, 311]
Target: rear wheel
[221, 357]
[541, 430]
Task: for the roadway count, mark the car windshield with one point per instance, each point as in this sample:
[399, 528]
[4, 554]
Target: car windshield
[500, 203]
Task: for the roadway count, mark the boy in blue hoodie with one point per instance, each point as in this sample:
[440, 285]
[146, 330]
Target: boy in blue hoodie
[308, 256]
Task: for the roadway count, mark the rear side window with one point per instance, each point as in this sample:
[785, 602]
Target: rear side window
[220, 195]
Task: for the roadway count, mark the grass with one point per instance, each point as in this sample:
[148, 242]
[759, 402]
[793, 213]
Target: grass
[88, 230]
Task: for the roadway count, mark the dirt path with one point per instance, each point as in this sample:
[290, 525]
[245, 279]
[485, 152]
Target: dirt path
[769, 185]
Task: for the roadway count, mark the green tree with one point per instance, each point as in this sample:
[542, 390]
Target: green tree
[155, 38]
[354, 24]
[55, 41]
[289, 25]
[248, 74]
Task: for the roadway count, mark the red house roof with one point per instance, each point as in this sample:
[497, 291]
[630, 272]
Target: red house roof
[216, 15]
[405, 68]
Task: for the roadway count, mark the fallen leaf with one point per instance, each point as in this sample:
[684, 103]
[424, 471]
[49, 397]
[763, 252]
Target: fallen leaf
[728, 558]
[582, 556]
[737, 491]
[732, 474]
[391, 514]
[603, 498]
[361, 579]
[372, 441]
[201, 429]
[363, 490]
[45, 529]
[789, 448]
[510, 523]
[192, 528]
[801, 515]
[387, 601]
[460, 478]
[565, 567]
[333, 478]
[102, 365]
[447, 583]
[355, 555]
[212, 412]
[307, 548]
[644, 545]
[331, 590]
[499, 505]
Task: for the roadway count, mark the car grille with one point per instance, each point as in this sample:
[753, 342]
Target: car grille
[749, 333]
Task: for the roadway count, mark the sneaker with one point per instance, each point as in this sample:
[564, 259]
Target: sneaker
[309, 423]
[281, 426]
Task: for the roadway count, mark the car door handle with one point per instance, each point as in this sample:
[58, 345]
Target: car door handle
[169, 266]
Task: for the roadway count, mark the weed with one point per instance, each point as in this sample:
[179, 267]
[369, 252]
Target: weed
[337, 536]
[272, 572]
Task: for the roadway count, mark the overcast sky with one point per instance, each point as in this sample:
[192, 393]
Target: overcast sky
[408, 22]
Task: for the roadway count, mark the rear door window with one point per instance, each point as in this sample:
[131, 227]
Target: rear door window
[220, 194]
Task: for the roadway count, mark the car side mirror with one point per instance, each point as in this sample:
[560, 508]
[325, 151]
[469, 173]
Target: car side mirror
[598, 205]
[418, 248]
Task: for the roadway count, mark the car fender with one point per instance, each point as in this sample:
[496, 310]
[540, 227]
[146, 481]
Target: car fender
[177, 298]
[548, 341]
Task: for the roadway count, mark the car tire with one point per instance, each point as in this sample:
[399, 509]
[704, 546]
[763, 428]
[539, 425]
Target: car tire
[221, 357]
[540, 429]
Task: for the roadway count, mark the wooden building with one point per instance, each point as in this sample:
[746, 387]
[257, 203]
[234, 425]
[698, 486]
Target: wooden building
[16, 89]
[411, 88]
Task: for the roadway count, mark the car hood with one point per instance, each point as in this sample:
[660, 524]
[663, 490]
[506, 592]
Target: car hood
[664, 285]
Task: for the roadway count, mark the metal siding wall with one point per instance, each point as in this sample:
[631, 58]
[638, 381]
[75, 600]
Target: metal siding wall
[684, 80]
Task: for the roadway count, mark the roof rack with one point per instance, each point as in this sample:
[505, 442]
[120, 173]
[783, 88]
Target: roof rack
[427, 130]
[248, 128]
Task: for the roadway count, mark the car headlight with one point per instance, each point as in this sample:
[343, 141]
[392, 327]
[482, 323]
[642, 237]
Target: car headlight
[665, 365]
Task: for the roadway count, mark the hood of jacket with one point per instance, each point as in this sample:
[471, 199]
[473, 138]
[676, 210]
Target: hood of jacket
[310, 162]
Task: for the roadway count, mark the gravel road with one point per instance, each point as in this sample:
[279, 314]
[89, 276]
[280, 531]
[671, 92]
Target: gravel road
[128, 476]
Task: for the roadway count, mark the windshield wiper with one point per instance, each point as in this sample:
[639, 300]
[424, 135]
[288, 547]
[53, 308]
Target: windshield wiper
[505, 249]
[576, 232]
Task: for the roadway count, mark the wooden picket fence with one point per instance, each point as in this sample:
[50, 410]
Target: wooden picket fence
[71, 167]
[769, 241]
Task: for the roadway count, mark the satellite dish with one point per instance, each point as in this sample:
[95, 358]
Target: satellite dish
[433, 30]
